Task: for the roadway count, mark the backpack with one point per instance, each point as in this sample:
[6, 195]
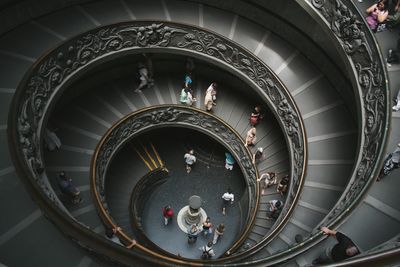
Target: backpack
[381, 27]
[206, 255]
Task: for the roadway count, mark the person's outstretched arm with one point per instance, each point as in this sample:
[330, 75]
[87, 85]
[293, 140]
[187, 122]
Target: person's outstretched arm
[372, 8]
[328, 231]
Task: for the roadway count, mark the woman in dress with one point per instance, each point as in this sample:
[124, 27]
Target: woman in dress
[211, 93]
[251, 137]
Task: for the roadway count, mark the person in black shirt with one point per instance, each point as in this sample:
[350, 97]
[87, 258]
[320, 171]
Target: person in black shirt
[68, 189]
[344, 249]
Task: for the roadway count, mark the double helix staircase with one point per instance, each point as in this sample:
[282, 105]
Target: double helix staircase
[330, 127]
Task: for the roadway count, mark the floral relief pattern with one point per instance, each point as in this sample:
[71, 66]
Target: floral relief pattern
[170, 116]
[364, 55]
[49, 74]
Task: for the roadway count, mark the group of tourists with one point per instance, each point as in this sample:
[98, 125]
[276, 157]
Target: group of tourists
[187, 96]
[269, 179]
[206, 228]
[345, 248]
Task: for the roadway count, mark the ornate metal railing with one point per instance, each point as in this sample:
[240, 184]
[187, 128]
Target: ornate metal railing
[393, 243]
[46, 80]
[169, 116]
[370, 82]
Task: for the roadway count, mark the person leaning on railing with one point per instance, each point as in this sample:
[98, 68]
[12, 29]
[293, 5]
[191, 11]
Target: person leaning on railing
[111, 234]
[344, 249]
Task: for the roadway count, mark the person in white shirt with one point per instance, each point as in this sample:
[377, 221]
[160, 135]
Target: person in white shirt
[210, 97]
[397, 99]
[51, 140]
[145, 72]
[208, 251]
[190, 99]
[190, 160]
[143, 77]
[227, 198]
[266, 180]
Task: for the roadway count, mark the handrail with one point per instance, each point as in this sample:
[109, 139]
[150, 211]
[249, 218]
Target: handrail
[382, 258]
[35, 167]
[386, 254]
[52, 73]
[362, 51]
[162, 116]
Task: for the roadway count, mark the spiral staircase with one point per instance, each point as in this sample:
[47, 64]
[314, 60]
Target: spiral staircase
[310, 64]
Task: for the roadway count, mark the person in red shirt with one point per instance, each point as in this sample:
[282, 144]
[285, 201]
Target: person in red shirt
[256, 116]
[168, 213]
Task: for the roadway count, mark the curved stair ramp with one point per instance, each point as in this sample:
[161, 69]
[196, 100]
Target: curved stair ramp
[162, 116]
[117, 99]
[18, 59]
[118, 191]
[93, 117]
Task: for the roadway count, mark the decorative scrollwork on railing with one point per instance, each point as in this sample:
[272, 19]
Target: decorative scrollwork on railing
[169, 116]
[46, 80]
[361, 48]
